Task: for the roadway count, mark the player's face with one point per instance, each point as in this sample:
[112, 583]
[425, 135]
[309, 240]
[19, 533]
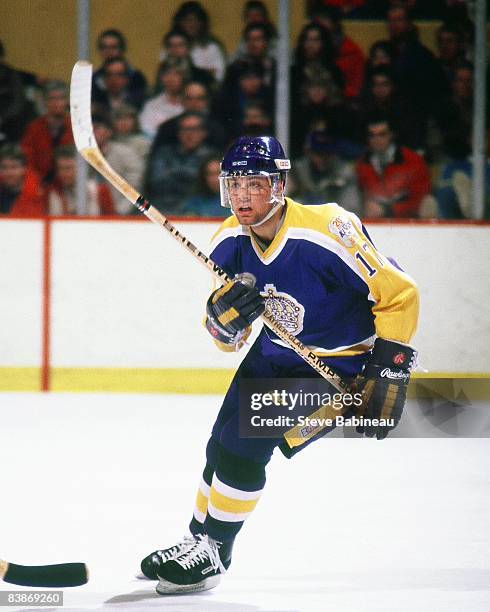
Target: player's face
[250, 198]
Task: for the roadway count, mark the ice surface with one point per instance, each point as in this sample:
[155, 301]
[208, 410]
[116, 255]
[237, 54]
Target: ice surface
[347, 525]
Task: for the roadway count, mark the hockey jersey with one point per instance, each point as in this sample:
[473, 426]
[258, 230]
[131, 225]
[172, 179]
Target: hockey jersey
[324, 281]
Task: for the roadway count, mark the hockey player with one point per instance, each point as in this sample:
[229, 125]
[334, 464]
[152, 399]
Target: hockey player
[317, 267]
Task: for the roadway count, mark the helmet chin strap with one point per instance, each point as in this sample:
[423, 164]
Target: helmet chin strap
[271, 212]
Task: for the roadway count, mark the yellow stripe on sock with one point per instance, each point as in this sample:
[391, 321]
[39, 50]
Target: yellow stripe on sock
[228, 504]
[201, 502]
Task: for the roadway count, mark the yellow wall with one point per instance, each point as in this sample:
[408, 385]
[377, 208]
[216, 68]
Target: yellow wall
[40, 35]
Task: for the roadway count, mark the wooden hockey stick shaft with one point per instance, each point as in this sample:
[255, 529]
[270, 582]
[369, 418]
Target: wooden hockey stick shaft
[80, 98]
[48, 576]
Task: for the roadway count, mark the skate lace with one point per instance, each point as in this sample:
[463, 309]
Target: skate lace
[170, 553]
[204, 550]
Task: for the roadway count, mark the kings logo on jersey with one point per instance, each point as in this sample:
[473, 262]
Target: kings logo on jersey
[284, 309]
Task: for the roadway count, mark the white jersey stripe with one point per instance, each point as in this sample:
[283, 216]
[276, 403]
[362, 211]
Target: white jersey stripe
[230, 232]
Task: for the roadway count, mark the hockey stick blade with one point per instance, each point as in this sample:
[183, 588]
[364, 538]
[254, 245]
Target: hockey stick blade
[81, 118]
[48, 576]
[83, 133]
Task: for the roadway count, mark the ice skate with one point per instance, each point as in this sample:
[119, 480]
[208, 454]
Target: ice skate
[151, 563]
[198, 569]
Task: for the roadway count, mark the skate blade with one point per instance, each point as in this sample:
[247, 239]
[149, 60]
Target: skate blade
[164, 587]
[141, 576]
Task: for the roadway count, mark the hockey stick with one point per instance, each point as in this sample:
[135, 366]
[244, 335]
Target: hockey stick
[81, 120]
[49, 576]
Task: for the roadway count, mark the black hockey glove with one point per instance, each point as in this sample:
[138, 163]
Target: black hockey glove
[384, 382]
[232, 308]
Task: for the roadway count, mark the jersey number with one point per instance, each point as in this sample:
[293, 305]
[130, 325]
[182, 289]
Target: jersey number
[371, 271]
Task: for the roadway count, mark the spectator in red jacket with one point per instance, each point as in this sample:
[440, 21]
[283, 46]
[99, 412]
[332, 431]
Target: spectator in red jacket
[394, 180]
[349, 56]
[20, 189]
[53, 129]
[61, 194]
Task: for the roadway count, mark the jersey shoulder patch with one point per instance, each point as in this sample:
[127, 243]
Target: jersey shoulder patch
[328, 219]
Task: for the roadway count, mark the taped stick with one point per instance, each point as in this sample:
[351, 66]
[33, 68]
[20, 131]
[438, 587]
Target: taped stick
[49, 576]
[81, 119]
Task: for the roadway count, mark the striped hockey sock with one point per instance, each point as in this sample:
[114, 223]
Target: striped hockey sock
[201, 504]
[236, 487]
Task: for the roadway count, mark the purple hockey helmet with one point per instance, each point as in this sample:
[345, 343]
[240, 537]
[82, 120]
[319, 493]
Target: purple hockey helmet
[255, 156]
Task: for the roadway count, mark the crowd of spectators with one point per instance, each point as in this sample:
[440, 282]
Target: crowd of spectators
[384, 135]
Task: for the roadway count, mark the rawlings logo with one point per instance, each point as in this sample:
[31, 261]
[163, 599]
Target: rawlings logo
[399, 358]
[387, 373]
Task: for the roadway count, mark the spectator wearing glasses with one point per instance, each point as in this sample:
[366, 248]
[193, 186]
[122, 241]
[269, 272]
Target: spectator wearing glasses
[394, 180]
[116, 91]
[111, 44]
[172, 169]
[196, 99]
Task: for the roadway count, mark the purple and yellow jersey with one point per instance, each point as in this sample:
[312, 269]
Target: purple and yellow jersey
[324, 280]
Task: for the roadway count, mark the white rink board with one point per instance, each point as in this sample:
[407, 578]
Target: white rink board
[21, 293]
[125, 294]
[450, 266]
